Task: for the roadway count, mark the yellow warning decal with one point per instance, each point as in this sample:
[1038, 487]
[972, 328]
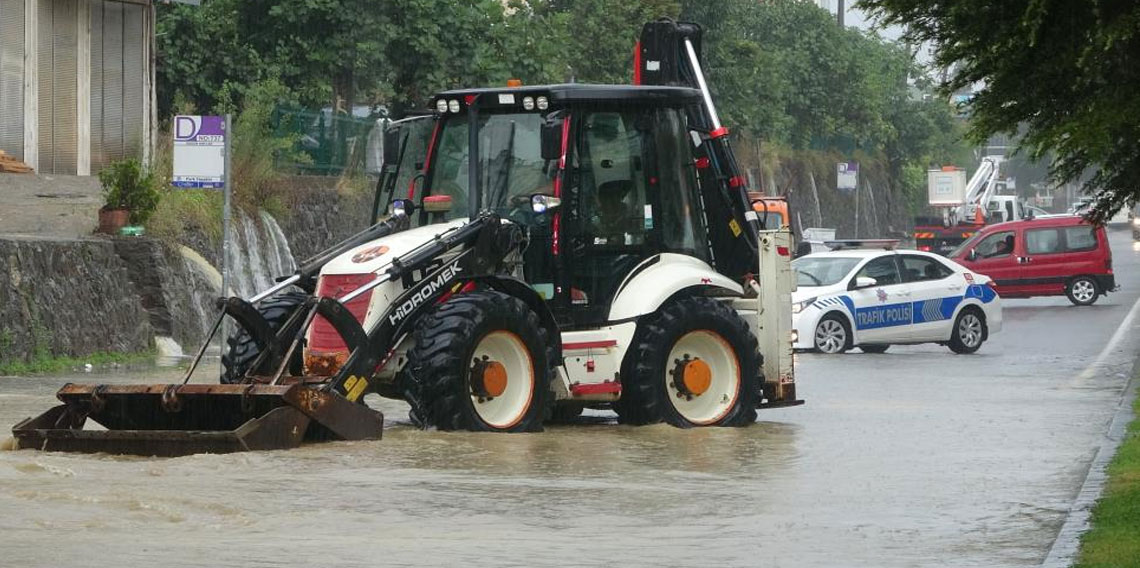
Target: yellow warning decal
[735, 228]
[354, 387]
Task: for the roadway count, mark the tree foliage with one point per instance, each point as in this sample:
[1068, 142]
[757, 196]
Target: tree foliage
[1063, 73]
[783, 73]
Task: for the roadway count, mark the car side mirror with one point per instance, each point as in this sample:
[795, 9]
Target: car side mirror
[972, 255]
[864, 282]
[551, 138]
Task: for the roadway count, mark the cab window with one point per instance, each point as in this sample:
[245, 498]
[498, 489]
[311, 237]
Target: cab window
[1079, 239]
[920, 268]
[882, 269]
[997, 245]
[1042, 241]
[613, 180]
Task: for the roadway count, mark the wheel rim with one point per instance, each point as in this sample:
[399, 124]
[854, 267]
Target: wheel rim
[505, 359]
[713, 369]
[970, 330]
[830, 337]
[1083, 290]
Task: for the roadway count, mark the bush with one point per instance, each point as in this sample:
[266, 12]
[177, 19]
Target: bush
[128, 185]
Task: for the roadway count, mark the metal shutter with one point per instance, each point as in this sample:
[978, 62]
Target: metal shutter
[98, 159]
[65, 59]
[133, 69]
[112, 81]
[12, 77]
[46, 92]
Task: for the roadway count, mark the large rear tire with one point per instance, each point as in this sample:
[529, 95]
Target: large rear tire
[692, 363]
[241, 349]
[481, 362]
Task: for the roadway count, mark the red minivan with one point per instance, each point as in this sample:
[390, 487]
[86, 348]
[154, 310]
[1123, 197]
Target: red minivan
[1043, 256]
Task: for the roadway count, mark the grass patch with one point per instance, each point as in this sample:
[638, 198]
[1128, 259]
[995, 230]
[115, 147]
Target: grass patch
[1114, 539]
[43, 364]
[181, 210]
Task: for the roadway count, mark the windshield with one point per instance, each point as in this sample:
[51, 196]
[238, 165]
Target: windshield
[822, 270]
[510, 162]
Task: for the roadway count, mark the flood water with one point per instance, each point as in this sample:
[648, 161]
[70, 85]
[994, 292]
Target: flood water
[912, 458]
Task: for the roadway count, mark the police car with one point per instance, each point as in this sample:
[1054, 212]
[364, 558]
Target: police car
[866, 294]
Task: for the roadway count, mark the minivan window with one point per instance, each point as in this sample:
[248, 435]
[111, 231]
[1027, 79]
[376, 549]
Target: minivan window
[996, 245]
[1080, 239]
[1042, 241]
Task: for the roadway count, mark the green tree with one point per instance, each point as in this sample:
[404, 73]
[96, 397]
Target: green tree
[1065, 72]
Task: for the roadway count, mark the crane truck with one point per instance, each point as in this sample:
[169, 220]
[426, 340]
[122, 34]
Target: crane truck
[558, 247]
[965, 206]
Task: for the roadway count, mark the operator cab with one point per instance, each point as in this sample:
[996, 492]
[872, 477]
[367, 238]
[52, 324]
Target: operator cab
[602, 177]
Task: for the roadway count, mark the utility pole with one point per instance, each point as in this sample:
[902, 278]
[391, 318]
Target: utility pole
[839, 12]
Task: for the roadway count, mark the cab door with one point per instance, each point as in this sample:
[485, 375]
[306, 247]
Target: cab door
[883, 311]
[994, 256]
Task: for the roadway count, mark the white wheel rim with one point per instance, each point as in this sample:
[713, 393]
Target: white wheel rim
[1083, 290]
[970, 330]
[830, 337]
[724, 388]
[507, 409]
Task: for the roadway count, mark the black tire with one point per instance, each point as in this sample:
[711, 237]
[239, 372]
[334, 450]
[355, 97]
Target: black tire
[646, 373]
[874, 348]
[437, 383]
[844, 328]
[1082, 291]
[241, 349]
[963, 340]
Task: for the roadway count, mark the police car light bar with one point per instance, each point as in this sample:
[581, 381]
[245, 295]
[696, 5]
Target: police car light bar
[846, 244]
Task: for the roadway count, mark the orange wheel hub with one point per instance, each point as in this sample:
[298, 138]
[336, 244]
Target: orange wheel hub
[696, 376]
[494, 378]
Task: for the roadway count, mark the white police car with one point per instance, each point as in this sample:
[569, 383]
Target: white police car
[872, 299]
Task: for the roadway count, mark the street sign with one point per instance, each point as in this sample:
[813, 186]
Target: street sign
[199, 152]
[846, 176]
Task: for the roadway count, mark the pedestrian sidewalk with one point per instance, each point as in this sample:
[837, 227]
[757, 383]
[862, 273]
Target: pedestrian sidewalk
[49, 205]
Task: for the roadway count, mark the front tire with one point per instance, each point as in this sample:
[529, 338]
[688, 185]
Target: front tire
[692, 363]
[1082, 291]
[969, 331]
[832, 334]
[480, 362]
[242, 350]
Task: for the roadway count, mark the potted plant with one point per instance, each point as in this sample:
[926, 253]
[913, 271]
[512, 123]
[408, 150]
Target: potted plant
[130, 194]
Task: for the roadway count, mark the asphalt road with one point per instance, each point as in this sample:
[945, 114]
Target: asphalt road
[916, 457]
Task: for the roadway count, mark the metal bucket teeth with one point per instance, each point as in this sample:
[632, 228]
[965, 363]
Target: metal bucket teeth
[174, 420]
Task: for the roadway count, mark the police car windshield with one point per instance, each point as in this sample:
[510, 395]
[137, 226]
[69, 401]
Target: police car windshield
[822, 270]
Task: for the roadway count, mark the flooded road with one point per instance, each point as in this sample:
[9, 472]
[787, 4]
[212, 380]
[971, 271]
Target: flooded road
[916, 457]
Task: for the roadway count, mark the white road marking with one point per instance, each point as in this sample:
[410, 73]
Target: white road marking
[1109, 348]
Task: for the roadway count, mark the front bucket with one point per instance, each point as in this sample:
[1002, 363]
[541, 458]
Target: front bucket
[175, 420]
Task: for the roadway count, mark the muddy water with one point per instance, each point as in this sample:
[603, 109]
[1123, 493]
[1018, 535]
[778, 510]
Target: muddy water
[912, 458]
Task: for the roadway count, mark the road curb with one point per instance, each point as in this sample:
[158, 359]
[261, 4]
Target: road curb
[1067, 544]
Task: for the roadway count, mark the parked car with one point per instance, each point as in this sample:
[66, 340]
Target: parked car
[873, 299]
[1044, 256]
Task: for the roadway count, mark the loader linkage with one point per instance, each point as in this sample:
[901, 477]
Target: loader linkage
[265, 411]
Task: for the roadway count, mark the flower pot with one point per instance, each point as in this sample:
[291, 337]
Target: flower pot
[111, 220]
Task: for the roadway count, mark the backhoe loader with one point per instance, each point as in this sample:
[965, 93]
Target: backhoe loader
[549, 248]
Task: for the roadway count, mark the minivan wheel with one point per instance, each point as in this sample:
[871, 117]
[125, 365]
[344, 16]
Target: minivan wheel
[1082, 291]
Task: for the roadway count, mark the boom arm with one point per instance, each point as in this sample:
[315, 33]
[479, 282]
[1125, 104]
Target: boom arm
[669, 54]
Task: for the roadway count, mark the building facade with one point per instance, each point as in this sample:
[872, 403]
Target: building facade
[76, 82]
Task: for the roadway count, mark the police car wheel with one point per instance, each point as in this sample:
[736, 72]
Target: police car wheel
[969, 331]
[832, 335]
[1082, 291]
[874, 348]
